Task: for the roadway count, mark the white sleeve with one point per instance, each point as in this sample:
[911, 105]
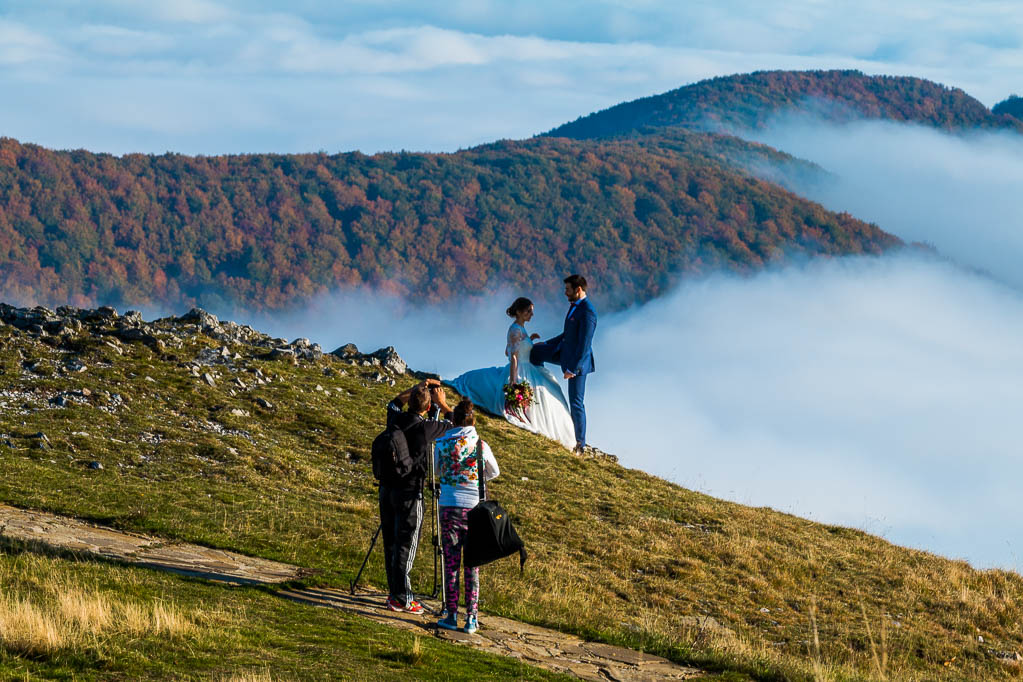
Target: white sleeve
[490, 468]
[515, 337]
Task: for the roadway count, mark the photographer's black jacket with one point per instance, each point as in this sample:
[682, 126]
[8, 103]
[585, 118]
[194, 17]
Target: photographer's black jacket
[419, 433]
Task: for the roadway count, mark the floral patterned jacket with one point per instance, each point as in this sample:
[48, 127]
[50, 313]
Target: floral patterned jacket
[458, 468]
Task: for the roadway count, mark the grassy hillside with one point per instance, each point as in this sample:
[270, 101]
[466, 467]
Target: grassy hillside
[69, 620]
[269, 456]
[265, 231]
[750, 100]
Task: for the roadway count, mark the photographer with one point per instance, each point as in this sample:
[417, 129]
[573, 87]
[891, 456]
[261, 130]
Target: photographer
[401, 501]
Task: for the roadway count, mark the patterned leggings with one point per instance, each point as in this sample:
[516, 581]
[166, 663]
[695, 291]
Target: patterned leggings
[453, 525]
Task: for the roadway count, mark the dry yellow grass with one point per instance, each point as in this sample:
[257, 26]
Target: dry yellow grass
[54, 612]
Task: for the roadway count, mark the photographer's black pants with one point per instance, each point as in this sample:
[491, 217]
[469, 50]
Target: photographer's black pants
[401, 515]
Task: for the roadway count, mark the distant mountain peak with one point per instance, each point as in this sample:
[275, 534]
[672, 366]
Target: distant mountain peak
[750, 100]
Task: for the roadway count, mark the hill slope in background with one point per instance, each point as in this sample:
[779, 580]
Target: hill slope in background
[211, 433]
[267, 231]
[1010, 106]
[751, 100]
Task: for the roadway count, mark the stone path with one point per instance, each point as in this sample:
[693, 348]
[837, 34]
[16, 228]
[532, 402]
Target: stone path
[71, 535]
[545, 648]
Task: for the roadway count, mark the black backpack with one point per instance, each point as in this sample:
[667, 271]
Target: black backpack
[491, 535]
[391, 459]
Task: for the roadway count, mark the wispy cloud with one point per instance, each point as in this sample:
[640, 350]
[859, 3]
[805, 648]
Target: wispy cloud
[20, 45]
[457, 74]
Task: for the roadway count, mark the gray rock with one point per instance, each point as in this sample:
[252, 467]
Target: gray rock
[95, 465]
[133, 334]
[100, 315]
[200, 317]
[346, 352]
[75, 366]
[208, 378]
[284, 353]
[264, 403]
[390, 360]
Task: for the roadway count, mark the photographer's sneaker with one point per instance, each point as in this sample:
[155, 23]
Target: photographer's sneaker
[413, 607]
[449, 622]
[471, 625]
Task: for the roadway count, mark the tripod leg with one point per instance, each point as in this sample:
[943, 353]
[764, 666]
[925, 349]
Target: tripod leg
[366, 560]
[440, 550]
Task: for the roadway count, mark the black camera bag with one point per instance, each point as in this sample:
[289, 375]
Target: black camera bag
[491, 535]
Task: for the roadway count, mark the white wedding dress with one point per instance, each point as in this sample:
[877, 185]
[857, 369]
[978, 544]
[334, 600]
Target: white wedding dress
[548, 415]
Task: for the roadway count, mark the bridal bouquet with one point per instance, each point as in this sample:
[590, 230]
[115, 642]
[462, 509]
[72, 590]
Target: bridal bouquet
[517, 397]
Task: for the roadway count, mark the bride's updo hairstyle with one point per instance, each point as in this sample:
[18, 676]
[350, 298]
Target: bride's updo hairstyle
[464, 413]
[521, 303]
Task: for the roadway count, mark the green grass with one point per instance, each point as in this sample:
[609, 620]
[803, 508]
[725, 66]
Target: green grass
[616, 555]
[234, 633]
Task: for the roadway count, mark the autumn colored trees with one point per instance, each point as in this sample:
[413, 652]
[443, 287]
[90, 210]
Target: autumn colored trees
[751, 100]
[265, 231]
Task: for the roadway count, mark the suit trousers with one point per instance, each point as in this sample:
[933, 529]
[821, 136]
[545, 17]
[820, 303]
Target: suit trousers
[544, 352]
[576, 392]
[401, 517]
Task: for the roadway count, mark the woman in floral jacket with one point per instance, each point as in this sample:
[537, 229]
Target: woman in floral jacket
[461, 455]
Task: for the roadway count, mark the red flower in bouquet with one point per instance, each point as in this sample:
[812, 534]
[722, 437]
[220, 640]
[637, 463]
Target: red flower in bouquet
[518, 397]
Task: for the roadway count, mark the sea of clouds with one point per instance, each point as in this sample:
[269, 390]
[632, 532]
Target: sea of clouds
[879, 393]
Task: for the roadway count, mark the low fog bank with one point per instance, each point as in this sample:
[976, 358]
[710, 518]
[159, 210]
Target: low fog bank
[876, 393]
[881, 394]
[959, 193]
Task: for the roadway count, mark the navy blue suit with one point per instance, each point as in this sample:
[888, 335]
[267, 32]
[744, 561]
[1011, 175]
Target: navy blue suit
[572, 350]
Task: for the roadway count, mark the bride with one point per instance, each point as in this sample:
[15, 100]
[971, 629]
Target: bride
[548, 415]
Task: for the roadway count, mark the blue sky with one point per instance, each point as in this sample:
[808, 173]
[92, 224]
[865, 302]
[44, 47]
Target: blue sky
[216, 76]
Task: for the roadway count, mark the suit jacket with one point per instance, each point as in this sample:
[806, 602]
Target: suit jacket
[575, 352]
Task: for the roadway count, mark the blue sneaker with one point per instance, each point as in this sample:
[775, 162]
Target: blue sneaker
[449, 622]
[471, 625]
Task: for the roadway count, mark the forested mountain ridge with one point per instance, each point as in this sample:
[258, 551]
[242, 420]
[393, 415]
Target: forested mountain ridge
[750, 100]
[266, 231]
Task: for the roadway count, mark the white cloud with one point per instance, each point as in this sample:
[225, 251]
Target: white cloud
[176, 11]
[21, 45]
[535, 63]
[122, 42]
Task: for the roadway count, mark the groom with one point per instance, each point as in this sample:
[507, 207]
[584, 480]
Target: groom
[571, 349]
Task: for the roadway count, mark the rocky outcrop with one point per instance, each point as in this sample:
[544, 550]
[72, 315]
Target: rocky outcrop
[65, 325]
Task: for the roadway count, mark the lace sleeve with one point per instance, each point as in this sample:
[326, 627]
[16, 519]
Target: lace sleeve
[516, 335]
